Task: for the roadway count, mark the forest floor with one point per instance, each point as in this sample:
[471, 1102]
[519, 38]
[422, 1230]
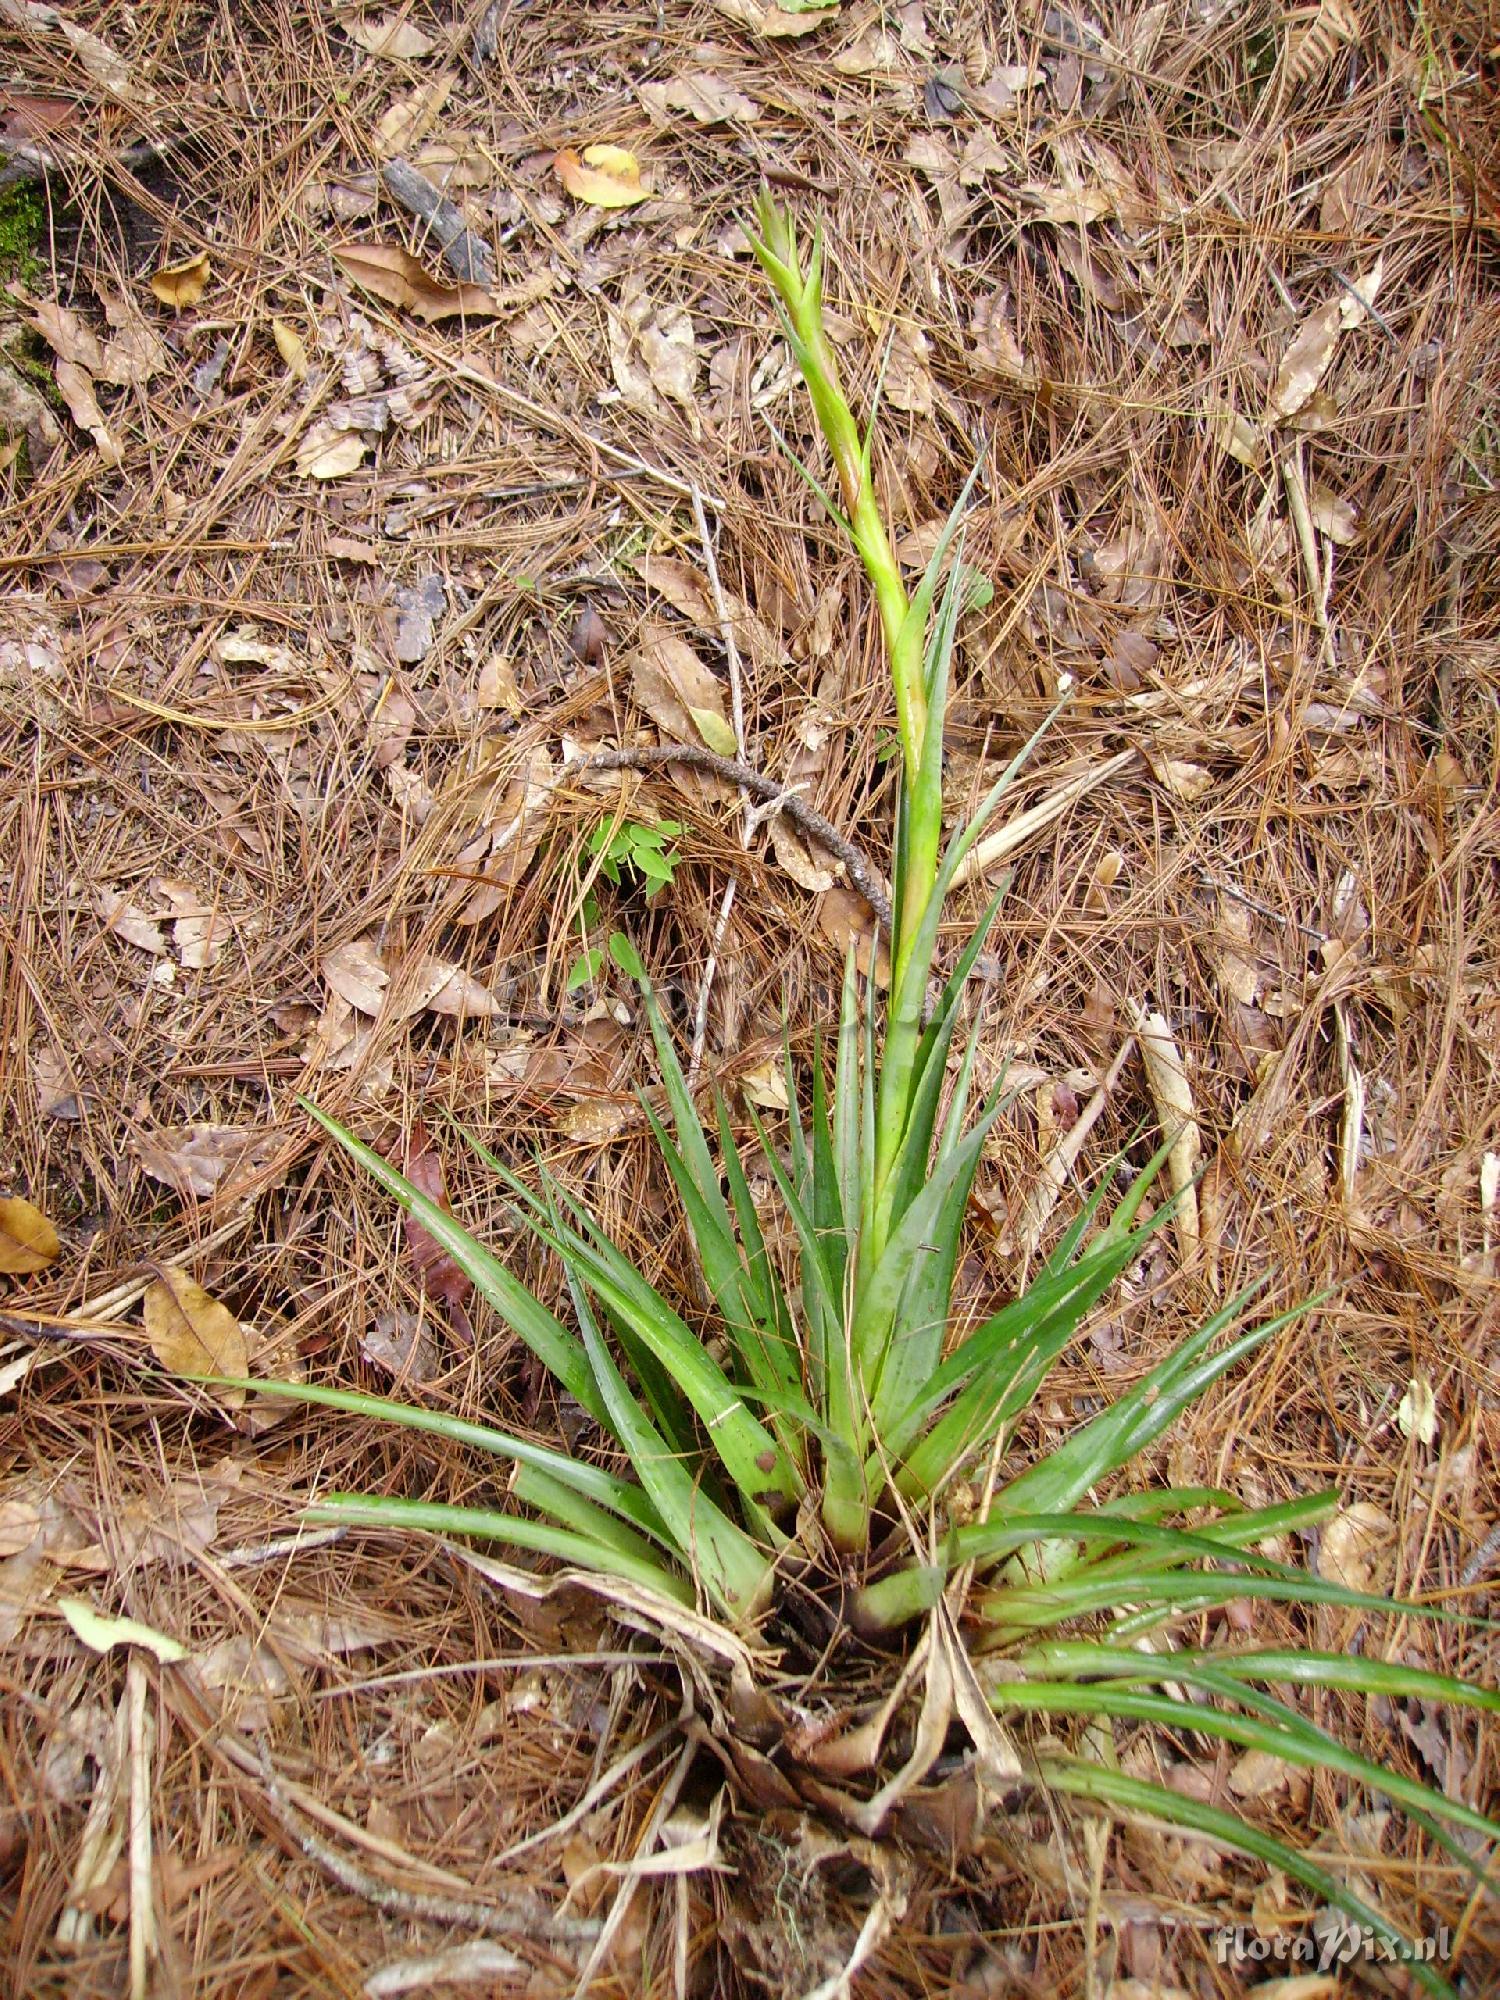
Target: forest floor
[323, 564]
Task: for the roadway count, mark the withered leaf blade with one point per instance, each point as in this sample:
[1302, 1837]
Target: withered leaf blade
[28, 1242]
[393, 274]
[192, 1333]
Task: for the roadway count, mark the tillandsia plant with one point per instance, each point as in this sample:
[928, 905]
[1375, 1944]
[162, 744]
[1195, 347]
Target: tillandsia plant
[827, 1445]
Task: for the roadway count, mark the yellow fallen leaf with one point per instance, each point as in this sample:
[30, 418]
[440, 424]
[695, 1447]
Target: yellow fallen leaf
[290, 346]
[101, 1633]
[394, 275]
[191, 1333]
[605, 176]
[179, 285]
[28, 1242]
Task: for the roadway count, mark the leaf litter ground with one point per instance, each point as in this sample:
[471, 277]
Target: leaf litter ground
[334, 546]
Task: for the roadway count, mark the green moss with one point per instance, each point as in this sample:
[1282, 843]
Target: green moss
[23, 218]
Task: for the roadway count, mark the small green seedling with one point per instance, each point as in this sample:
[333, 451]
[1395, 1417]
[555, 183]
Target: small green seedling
[627, 854]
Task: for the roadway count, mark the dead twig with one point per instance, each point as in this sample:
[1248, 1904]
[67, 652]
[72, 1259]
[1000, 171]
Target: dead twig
[465, 254]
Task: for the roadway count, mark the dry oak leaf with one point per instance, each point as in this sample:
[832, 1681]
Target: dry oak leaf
[28, 1242]
[387, 35]
[102, 62]
[192, 1333]
[604, 176]
[206, 1159]
[703, 96]
[393, 274]
[181, 285]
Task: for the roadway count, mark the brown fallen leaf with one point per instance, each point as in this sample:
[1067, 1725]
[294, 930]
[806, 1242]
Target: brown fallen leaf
[201, 1160]
[103, 63]
[678, 692]
[182, 285]
[76, 386]
[439, 1276]
[387, 35]
[653, 352]
[603, 176]
[129, 921]
[703, 96]
[28, 1242]
[191, 1333]
[356, 972]
[20, 1521]
[70, 337]
[1306, 360]
[846, 918]
[686, 590]
[393, 274]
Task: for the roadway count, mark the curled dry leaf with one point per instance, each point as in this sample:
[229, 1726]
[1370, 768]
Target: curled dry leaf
[393, 274]
[129, 921]
[182, 285]
[602, 176]
[103, 63]
[202, 1160]
[20, 1521]
[687, 591]
[653, 352]
[410, 119]
[1237, 437]
[703, 96]
[191, 1333]
[440, 987]
[388, 35]
[28, 1242]
[678, 692]
[846, 918]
